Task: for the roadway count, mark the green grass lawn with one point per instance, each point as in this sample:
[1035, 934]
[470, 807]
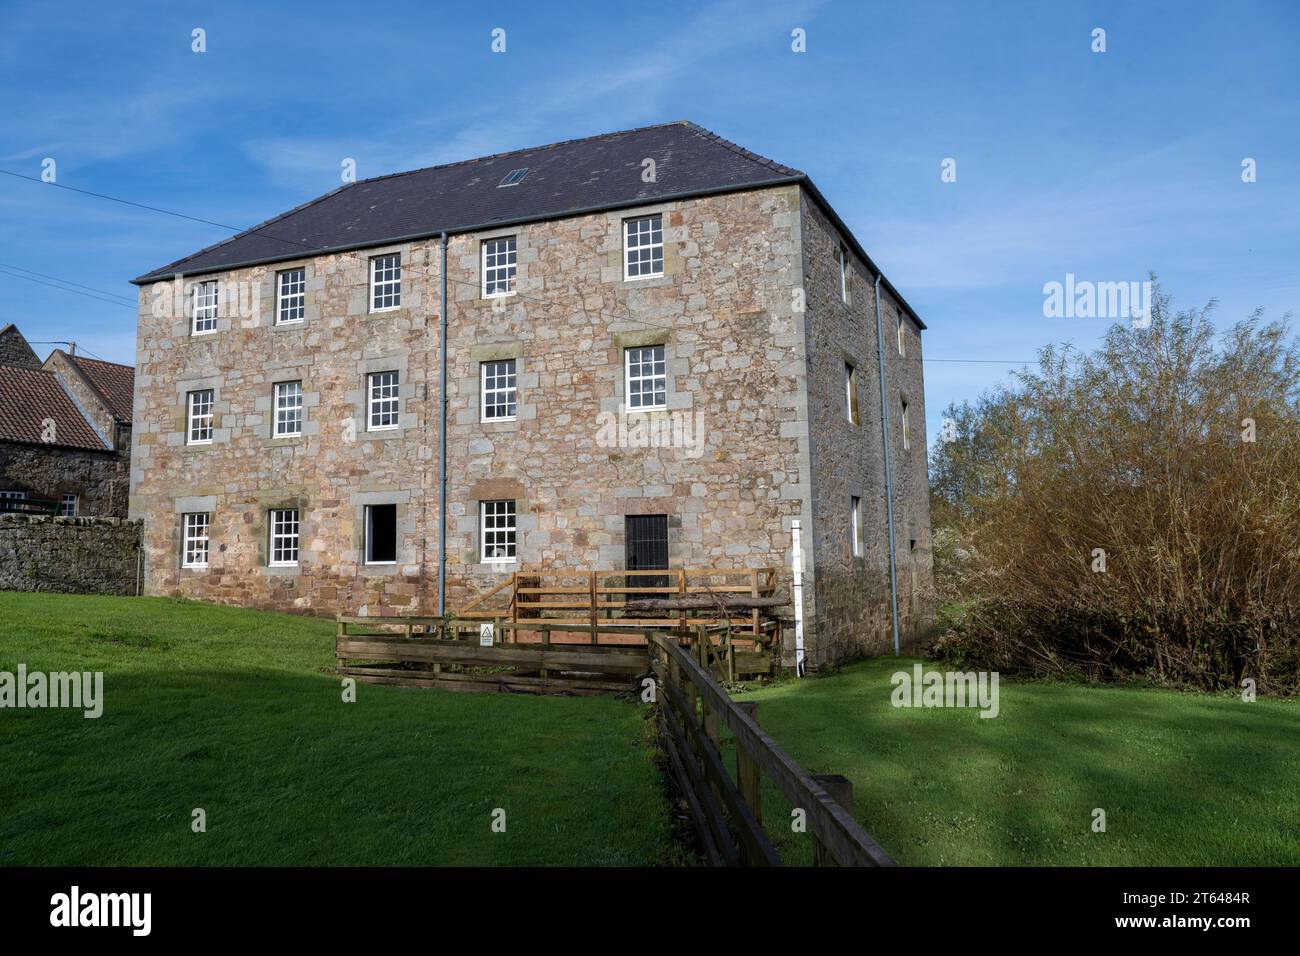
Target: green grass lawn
[1184, 779]
[235, 712]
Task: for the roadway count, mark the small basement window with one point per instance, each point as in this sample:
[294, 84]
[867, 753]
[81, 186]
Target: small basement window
[381, 534]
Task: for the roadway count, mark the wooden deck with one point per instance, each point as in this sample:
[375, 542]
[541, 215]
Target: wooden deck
[571, 631]
[740, 601]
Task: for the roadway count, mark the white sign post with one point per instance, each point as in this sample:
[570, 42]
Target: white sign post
[486, 634]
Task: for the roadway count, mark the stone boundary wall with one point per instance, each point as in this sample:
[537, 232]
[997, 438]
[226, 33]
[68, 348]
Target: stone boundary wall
[69, 555]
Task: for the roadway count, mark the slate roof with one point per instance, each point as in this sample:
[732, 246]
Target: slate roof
[564, 179]
[115, 384]
[28, 396]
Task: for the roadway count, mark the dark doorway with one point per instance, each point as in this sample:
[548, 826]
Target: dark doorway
[647, 548]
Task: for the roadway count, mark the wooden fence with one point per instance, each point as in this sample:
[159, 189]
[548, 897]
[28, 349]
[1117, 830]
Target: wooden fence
[727, 812]
[430, 652]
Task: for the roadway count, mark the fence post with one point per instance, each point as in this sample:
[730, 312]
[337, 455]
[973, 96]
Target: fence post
[749, 776]
[840, 789]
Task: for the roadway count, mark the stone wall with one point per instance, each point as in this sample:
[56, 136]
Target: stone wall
[14, 349]
[728, 313]
[733, 344]
[852, 593]
[99, 479]
[68, 555]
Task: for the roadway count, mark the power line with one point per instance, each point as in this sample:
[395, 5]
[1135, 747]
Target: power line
[115, 295]
[14, 275]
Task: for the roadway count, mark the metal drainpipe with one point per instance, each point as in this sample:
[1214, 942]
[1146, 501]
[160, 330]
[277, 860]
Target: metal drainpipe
[442, 432]
[889, 474]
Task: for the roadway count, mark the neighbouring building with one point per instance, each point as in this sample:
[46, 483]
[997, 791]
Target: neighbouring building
[65, 431]
[662, 350]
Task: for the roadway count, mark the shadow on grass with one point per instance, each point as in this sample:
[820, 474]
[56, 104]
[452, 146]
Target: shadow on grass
[289, 774]
[1183, 779]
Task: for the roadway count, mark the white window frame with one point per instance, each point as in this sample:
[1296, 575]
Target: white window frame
[205, 307]
[366, 544]
[194, 420]
[64, 502]
[284, 529]
[504, 531]
[639, 243]
[291, 296]
[196, 531]
[907, 440]
[902, 344]
[658, 357]
[13, 496]
[493, 394]
[499, 263]
[844, 274]
[855, 524]
[851, 393]
[383, 398]
[287, 410]
[386, 282]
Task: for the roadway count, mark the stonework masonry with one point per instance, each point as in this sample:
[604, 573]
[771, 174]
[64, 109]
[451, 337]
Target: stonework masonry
[99, 479]
[765, 447]
[69, 555]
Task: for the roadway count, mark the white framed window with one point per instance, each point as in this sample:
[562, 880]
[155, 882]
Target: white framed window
[68, 506]
[855, 525]
[844, 275]
[288, 409]
[381, 534]
[851, 392]
[647, 380]
[195, 547]
[497, 530]
[643, 247]
[8, 500]
[386, 282]
[284, 537]
[382, 401]
[499, 261]
[200, 417]
[907, 438]
[291, 296]
[498, 390]
[205, 303]
[902, 336]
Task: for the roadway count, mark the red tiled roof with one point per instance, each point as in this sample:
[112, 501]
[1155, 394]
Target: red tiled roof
[116, 383]
[28, 397]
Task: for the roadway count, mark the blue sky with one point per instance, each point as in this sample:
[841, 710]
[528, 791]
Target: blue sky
[1105, 165]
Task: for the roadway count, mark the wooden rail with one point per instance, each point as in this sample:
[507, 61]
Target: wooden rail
[451, 655]
[607, 600]
[728, 813]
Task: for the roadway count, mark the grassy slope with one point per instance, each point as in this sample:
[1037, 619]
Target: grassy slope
[1185, 779]
[232, 711]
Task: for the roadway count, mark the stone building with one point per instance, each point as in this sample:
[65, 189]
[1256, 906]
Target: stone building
[661, 350]
[65, 431]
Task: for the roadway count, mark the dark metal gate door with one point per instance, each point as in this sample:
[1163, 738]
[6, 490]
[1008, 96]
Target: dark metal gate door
[647, 548]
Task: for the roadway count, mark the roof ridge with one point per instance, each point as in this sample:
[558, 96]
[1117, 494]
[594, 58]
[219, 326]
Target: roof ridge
[86, 358]
[524, 149]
